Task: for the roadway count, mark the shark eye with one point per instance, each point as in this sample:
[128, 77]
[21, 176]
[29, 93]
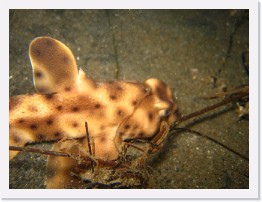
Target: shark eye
[164, 112]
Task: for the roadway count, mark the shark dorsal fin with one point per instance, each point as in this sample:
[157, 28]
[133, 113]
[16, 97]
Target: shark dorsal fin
[54, 66]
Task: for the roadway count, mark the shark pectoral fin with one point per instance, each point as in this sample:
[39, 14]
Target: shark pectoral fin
[54, 66]
[62, 172]
[18, 138]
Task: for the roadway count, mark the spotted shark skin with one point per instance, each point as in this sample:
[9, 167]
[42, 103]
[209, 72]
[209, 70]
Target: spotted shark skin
[66, 98]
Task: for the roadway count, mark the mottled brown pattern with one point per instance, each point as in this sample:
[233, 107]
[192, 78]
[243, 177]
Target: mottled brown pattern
[114, 110]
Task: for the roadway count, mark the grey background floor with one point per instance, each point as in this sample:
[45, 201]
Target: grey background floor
[196, 52]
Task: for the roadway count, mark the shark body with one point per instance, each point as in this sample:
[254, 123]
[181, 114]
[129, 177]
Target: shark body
[66, 98]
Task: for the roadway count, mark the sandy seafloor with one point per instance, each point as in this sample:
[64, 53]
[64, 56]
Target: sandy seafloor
[185, 48]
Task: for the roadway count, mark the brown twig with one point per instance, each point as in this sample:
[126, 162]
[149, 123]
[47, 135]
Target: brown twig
[212, 107]
[89, 146]
[40, 151]
[62, 154]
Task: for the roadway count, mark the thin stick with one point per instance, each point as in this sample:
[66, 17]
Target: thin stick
[62, 154]
[39, 151]
[138, 148]
[89, 146]
[212, 107]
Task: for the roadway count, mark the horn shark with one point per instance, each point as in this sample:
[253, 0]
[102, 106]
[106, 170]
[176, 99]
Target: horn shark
[66, 98]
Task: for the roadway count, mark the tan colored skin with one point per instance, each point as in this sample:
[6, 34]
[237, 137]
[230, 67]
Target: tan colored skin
[66, 99]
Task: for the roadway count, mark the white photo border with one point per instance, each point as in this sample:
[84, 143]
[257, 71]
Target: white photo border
[254, 160]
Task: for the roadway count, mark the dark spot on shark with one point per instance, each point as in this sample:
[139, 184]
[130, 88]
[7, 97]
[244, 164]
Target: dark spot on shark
[67, 89]
[65, 59]
[59, 108]
[102, 139]
[49, 122]
[37, 52]
[119, 88]
[49, 96]
[75, 109]
[48, 42]
[97, 106]
[21, 121]
[113, 97]
[159, 90]
[40, 136]
[127, 126]
[134, 103]
[14, 102]
[140, 135]
[38, 74]
[150, 116]
[32, 109]
[82, 140]
[57, 134]
[120, 113]
[102, 127]
[16, 139]
[121, 133]
[75, 124]
[33, 126]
